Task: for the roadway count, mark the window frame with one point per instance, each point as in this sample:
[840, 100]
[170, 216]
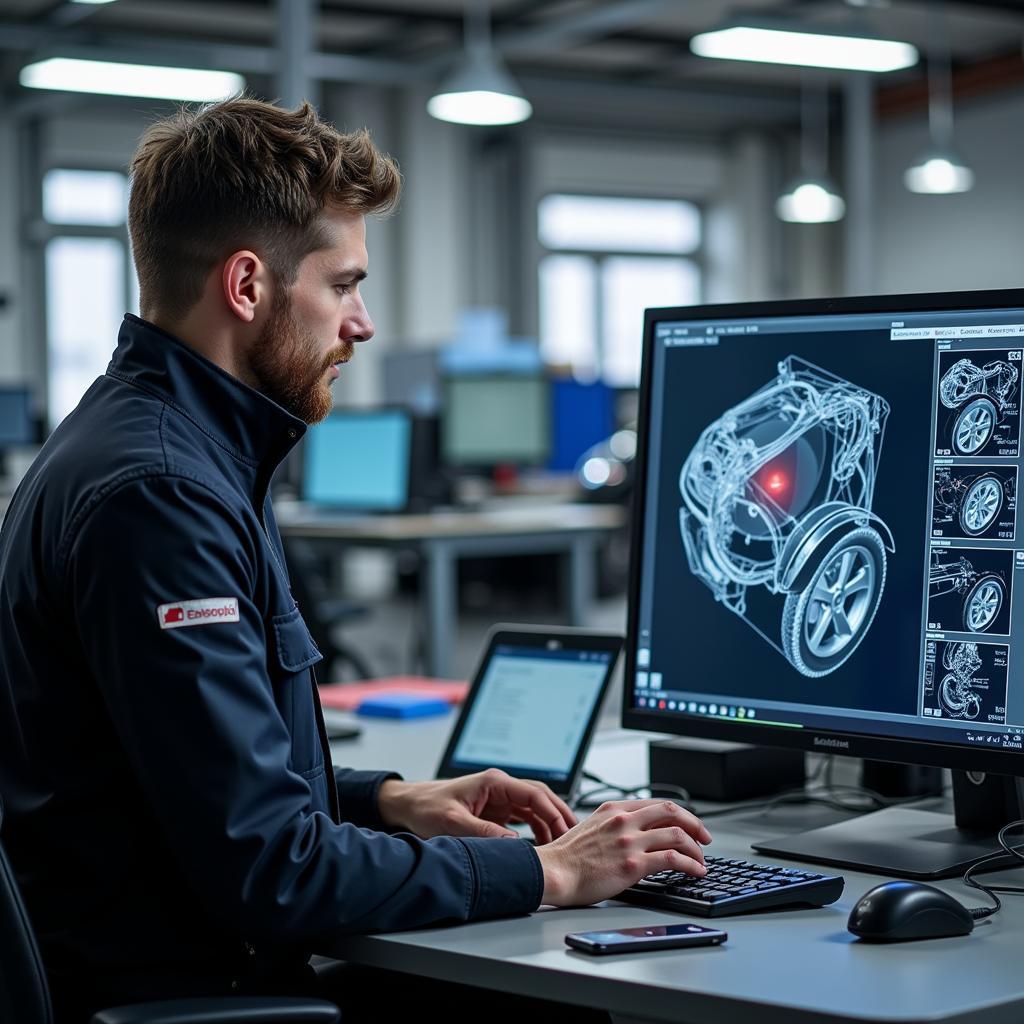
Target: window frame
[698, 257]
[42, 232]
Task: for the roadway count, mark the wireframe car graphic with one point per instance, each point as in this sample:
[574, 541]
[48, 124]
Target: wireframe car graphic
[956, 696]
[973, 500]
[984, 593]
[981, 394]
[777, 494]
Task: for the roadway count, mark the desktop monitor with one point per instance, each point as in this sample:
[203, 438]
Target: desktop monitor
[17, 424]
[359, 460]
[827, 552]
[493, 419]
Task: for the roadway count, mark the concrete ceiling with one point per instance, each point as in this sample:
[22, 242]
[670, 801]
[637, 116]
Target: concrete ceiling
[586, 56]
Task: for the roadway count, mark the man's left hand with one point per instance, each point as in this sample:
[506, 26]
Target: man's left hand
[481, 805]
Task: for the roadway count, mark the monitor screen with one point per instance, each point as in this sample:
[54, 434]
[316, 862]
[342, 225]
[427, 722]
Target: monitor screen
[487, 420]
[827, 551]
[17, 425]
[358, 460]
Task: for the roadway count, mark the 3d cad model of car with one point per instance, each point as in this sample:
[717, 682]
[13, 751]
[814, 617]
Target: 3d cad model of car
[984, 593]
[777, 493]
[956, 696]
[972, 500]
[981, 394]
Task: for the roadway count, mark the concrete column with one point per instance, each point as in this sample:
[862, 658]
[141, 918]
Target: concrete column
[295, 44]
[859, 184]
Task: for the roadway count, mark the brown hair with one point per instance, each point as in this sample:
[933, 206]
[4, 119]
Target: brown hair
[242, 174]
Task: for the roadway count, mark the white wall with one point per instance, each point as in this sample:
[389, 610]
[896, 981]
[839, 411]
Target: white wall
[966, 241]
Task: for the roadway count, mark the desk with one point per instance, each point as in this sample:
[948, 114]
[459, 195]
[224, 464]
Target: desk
[442, 538]
[777, 968]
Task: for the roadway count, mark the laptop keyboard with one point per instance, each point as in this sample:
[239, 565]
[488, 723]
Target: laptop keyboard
[734, 887]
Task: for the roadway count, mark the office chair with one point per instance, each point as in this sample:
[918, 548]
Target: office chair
[25, 994]
[324, 615]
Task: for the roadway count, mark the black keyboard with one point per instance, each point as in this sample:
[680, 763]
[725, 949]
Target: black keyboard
[734, 887]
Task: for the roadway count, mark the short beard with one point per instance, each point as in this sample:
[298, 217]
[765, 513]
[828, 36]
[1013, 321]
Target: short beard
[284, 364]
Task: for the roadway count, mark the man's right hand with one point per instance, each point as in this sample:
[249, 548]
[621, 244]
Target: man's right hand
[617, 845]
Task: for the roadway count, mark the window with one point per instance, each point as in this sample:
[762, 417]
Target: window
[608, 259]
[90, 280]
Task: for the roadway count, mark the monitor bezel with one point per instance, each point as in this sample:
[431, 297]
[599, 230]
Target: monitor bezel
[883, 748]
[341, 412]
[449, 379]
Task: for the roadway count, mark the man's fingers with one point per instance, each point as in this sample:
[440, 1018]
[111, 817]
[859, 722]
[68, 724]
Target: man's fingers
[540, 803]
[665, 812]
[672, 838]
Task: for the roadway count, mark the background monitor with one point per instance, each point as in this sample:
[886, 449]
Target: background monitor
[17, 423]
[488, 420]
[359, 460]
[827, 548]
[583, 415]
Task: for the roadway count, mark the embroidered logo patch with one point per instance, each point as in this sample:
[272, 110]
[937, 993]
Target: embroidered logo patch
[197, 613]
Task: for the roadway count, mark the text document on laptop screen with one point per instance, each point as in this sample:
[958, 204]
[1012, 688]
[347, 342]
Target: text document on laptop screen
[532, 710]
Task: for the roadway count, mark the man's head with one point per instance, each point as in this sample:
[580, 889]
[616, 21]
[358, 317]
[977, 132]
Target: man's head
[247, 221]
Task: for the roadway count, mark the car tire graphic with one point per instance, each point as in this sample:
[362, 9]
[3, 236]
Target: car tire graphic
[823, 623]
[974, 426]
[981, 504]
[983, 603]
[954, 706]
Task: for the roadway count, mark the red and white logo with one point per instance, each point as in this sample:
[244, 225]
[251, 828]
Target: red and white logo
[200, 612]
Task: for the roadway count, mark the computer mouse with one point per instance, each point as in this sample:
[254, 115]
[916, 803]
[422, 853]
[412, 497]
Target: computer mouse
[901, 911]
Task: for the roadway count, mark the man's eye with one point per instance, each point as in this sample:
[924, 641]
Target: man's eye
[343, 289]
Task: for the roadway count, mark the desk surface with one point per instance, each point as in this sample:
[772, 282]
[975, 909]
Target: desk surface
[776, 967]
[303, 520]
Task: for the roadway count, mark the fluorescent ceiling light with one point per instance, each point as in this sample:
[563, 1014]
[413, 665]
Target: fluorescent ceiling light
[938, 173]
[109, 79]
[479, 91]
[92, 1]
[810, 201]
[806, 49]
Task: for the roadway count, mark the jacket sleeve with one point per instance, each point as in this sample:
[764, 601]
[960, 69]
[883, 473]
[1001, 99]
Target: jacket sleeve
[194, 710]
[357, 795]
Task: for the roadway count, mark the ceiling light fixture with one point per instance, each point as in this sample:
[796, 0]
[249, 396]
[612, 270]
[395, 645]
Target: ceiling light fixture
[107, 78]
[770, 43]
[479, 90]
[939, 170]
[811, 198]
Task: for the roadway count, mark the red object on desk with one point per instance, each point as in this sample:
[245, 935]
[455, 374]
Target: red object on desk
[348, 696]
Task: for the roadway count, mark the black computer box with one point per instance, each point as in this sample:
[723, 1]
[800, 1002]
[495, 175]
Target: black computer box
[723, 771]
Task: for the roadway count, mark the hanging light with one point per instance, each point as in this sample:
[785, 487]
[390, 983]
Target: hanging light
[479, 90]
[768, 42]
[811, 198]
[939, 170]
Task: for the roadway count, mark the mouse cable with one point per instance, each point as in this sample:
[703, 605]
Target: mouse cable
[991, 890]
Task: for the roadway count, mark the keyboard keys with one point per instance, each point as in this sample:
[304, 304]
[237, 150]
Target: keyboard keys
[732, 886]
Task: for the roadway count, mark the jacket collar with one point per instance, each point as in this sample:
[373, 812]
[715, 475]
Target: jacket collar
[241, 419]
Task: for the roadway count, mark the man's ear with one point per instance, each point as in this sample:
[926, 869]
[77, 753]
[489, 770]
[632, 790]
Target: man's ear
[245, 284]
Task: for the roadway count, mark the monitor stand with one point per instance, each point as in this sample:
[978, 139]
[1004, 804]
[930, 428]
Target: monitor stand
[912, 843]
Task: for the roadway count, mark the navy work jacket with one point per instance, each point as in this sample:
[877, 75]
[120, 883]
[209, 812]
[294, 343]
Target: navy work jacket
[171, 808]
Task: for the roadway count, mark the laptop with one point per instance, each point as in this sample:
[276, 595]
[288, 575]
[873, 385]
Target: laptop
[533, 704]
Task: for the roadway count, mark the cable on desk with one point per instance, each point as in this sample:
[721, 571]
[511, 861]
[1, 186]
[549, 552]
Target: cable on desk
[991, 890]
[829, 794]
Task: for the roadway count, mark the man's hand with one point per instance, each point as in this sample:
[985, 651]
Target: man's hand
[618, 845]
[474, 805]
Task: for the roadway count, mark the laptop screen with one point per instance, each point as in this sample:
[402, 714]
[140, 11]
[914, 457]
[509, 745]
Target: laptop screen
[531, 711]
[358, 460]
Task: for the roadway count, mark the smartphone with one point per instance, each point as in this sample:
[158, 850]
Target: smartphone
[655, 936]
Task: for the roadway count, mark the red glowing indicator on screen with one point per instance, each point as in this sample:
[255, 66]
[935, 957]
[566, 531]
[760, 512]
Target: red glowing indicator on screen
[776, 482]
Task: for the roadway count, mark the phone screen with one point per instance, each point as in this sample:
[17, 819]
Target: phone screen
[658, 936]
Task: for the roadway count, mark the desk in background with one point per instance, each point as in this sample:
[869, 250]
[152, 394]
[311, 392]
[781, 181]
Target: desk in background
[441, 538]
[791, 967]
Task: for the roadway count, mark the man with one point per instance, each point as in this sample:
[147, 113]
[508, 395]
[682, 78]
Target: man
[171, 808]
